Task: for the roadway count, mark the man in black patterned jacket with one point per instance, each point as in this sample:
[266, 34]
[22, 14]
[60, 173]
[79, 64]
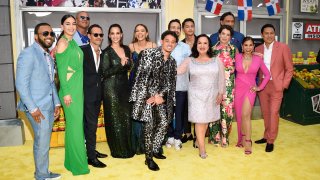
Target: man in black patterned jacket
[153, 95]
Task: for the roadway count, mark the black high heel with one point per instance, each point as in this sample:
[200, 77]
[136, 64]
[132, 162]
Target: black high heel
[194, 143]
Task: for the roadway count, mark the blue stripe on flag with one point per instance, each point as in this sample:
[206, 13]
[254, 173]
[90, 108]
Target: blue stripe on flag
[209, 5]
[270, 10]
[241, 15]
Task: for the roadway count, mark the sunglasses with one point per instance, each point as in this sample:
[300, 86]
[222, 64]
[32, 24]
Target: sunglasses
[85, 17]
[96, 35]
[47, 33]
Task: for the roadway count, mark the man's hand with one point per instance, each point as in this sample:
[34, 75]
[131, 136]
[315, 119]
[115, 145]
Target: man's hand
[56, 112]
[37, 115]
[158, 99]
[151, 100]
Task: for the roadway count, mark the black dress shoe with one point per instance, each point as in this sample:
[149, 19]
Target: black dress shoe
[100, 155]
[261, 141]
[269, 147]
[159, 156]
[96, 163]
[153, 166]
[186, 138]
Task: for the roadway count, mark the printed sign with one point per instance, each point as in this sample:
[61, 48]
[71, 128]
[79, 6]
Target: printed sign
[297, 30]
[316, 103]
[310, 6]
[312, 32]
[147, 4]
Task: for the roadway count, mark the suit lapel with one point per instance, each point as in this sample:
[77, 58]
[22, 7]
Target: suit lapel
[41, 57]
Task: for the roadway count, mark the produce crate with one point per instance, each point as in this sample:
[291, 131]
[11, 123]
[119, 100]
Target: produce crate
[57, 138]
[297, 104]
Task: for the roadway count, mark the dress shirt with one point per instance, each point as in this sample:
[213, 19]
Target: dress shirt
[96, 59]
[267, 56]
[181, 52]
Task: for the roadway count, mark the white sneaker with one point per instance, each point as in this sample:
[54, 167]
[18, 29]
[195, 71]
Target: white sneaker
[170, 142]
[177, 144]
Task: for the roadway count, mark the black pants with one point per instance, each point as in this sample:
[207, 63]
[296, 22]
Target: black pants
[181, 115]
[91, 113]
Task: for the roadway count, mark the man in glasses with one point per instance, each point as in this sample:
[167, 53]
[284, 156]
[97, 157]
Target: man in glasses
[83, 22]
[38, 95]
[92, 56]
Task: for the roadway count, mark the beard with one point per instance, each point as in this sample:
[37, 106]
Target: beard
[44, 44]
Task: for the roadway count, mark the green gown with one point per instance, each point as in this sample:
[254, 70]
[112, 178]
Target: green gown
[70, 71]
[117, 108]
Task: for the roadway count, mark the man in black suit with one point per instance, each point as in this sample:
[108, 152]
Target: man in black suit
[92, 55]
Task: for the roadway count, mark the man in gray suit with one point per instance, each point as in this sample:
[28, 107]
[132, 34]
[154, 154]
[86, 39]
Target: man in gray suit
[38, 95]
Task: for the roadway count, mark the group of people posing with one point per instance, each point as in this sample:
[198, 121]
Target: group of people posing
[150, 94]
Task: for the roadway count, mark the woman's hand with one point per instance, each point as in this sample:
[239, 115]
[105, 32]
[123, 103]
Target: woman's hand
[124, 60]
[254, 89]
[67, 100]
[219, 99]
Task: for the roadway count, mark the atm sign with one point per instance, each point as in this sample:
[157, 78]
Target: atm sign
[312, 32]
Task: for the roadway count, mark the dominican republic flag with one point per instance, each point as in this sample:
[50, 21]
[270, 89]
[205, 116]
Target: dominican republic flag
[214, 6]
[244, 10]
[273, 7]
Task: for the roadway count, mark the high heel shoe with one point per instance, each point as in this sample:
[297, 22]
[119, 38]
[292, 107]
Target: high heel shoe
[246, 151]
[195, 145]
[240, 144]
[203, 155]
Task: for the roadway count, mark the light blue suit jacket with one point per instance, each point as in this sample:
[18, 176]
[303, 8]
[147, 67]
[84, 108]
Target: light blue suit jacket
[33, 82]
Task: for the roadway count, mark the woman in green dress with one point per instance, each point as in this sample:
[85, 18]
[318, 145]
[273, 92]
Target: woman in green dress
[116, 64]
[69, 59]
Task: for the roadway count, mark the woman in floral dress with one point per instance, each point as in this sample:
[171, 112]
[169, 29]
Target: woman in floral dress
[220, 130]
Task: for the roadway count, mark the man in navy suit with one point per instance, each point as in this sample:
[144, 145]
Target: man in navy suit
[92, 56]
[38, 95]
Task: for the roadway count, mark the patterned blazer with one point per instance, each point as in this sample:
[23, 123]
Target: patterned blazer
[154, 75]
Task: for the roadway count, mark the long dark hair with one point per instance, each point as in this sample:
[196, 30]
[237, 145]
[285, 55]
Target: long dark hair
[109, 39]
[247, 38]
[63, 19]
[134, 39]
[195, 52]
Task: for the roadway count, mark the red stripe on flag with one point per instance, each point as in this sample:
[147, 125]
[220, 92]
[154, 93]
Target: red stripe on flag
[249, 15]
[240, 3]
[266, 1]
[218, 9]
[278, 8]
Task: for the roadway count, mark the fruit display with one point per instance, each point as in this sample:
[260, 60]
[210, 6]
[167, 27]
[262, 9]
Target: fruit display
[298, 58]
[308, 79]
[60, 123]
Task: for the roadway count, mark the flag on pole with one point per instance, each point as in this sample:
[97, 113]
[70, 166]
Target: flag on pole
[214, 6]
[244, 10]
[273, 7]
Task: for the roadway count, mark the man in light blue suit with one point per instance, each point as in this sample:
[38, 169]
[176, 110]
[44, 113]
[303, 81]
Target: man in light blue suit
[38, 95]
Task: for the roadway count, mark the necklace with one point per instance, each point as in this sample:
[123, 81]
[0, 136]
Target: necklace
[247, 58]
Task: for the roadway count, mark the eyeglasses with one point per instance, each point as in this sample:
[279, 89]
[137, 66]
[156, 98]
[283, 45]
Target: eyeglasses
[97, 34]
[85, 17]
[47, 33]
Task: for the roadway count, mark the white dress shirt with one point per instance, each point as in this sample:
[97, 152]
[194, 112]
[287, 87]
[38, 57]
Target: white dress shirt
[267, 56]
[96, 59]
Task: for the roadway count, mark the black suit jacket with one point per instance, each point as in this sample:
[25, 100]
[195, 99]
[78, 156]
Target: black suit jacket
[91, 78]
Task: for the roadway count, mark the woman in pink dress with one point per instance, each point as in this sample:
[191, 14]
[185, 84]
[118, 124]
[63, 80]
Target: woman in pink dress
[247, 66]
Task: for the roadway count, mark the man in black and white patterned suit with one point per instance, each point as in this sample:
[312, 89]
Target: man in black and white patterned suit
[153, 95]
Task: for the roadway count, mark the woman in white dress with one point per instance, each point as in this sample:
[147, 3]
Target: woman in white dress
[206, 87]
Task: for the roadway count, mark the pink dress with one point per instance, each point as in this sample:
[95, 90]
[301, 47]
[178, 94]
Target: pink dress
[244, 82]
